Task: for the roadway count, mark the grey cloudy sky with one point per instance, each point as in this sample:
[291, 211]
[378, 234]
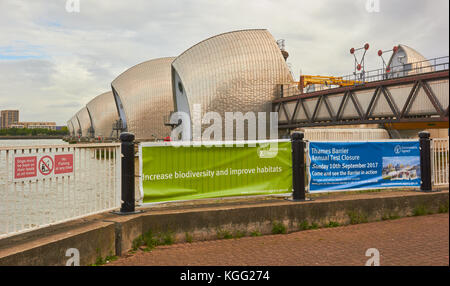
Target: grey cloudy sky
[53, 62]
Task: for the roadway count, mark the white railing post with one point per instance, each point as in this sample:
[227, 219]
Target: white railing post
[440, 149]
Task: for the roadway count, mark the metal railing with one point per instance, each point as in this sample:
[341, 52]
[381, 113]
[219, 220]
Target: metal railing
[415, 68]
[439, 161]
[93, 186]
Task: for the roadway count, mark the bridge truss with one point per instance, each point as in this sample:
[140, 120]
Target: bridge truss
[412, 99]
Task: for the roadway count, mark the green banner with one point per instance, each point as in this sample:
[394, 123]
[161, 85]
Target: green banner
[189, 172]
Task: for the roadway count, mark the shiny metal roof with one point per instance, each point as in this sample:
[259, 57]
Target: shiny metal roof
[234, 71]
[145, 92]
[103, 112]
[84, 120]
[411, 54]
[75, 124]
[409, 59]
[70, 127]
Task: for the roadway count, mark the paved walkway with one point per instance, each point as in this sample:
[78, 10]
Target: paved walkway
[408, 241]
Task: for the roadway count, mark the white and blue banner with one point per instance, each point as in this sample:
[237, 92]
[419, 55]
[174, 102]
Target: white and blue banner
[340, 166]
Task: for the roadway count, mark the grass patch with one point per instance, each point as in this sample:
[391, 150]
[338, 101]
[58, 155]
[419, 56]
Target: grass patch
[390, 216]
[421, 210]
[224, 234]
[443, 208]
[255, 233]
[188, 237]
[239, 233]
[100, 261]
[278, 228]
[357, 217]
[151, 240]
[304, 225]
[137, 242]
[332, 224]
[168, 238]
[110, 258]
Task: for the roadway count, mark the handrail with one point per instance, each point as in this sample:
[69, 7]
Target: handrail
[398, 71]
[31, 147]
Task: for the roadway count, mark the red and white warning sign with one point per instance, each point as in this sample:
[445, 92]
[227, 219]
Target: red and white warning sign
[63, 164]
[45, 165]
[25, 167]
[42, 166]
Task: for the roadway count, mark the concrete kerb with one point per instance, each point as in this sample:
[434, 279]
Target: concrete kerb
[48, 246]
[205, 224]
[107, 234]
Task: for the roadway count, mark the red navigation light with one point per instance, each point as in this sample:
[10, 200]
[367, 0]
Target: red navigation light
[395, 49]
[380, 52]
[352, 51]
[366, 46]
[359, 67]
[388, 69]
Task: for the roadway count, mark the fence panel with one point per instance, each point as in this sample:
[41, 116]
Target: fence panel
[439, 155]
[54, 195]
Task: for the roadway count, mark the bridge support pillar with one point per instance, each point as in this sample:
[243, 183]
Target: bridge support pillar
[425, 161]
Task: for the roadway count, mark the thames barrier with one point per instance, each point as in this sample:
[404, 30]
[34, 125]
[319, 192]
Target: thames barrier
[234, 135]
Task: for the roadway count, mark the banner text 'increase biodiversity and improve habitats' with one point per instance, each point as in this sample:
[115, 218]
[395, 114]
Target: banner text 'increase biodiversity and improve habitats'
[185, 173]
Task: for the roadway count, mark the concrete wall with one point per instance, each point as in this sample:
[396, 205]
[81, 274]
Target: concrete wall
[108, 234]
[48, 246]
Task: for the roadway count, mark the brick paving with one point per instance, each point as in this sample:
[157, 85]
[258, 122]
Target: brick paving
[407, 241]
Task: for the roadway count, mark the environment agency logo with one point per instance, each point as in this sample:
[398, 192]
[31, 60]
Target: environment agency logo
[73, 6]
[399, 149]
[267, 151]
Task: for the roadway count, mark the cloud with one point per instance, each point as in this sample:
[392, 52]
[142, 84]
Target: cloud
[53, 62]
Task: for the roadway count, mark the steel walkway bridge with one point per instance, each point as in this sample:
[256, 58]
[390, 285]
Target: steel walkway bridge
[416, 100]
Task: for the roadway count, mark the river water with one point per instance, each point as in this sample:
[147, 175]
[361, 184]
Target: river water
[30, 142]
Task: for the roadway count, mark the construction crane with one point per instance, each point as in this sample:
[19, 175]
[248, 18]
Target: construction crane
[307, 80]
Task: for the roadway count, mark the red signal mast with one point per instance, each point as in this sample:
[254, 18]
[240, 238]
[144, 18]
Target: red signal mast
[359, 65]
[387, 67]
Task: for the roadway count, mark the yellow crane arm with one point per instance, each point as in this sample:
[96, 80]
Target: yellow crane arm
[306, 80]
